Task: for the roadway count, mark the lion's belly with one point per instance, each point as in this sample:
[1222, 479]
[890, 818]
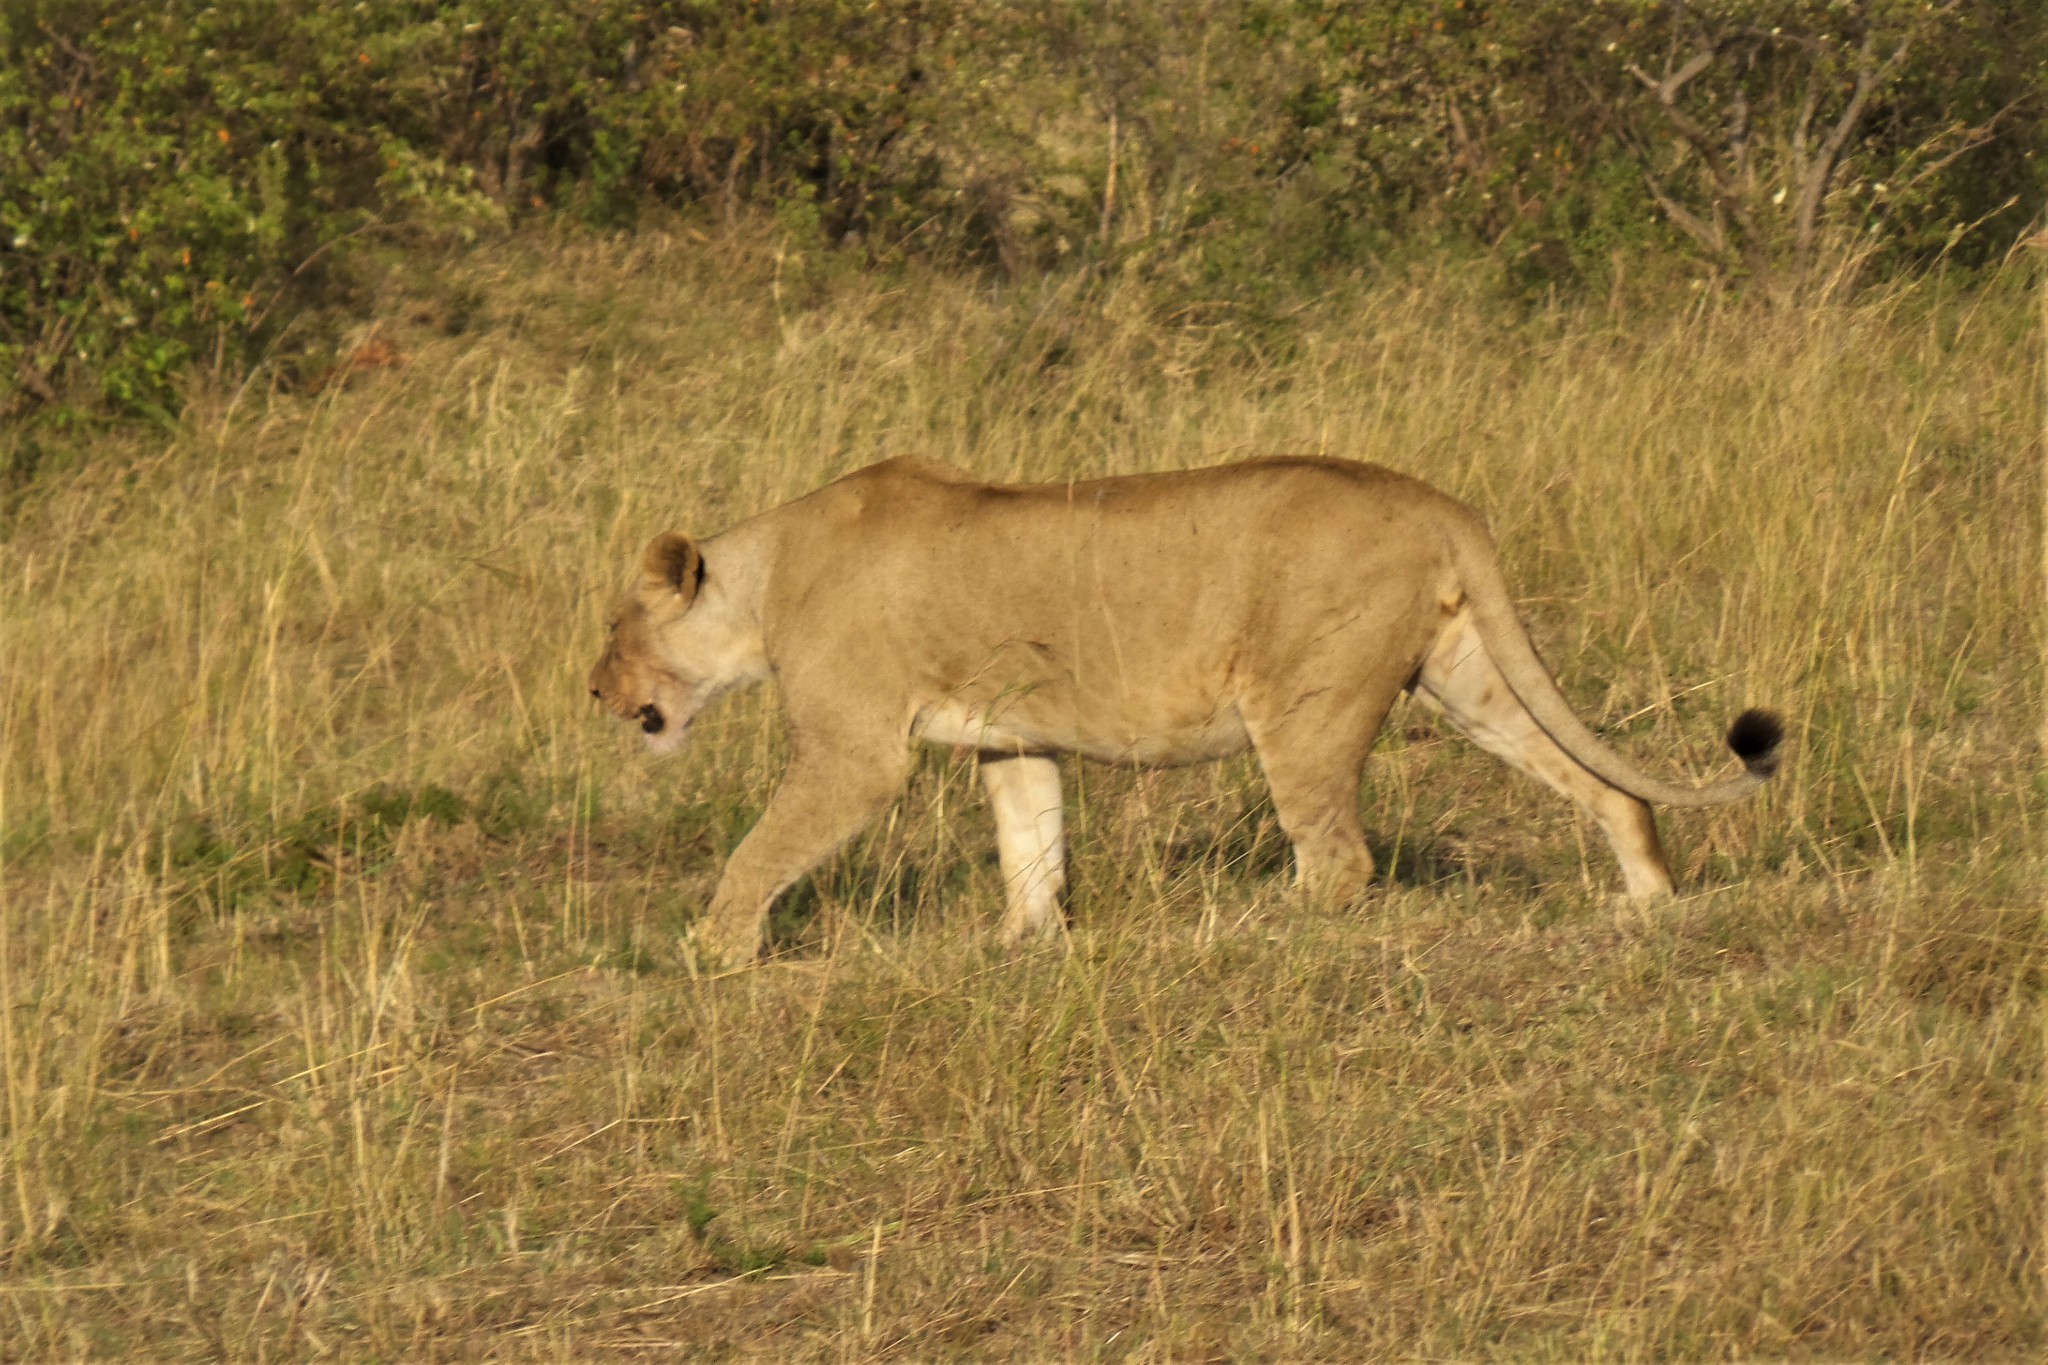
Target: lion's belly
[1108, 733]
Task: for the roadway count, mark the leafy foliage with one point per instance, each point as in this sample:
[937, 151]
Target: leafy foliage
[176, 177]
[179, 181]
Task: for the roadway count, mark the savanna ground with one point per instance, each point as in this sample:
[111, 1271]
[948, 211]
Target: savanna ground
[346, 1015]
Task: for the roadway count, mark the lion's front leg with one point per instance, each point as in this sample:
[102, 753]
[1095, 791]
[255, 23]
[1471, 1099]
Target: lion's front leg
[1024, 790]
[826, 797]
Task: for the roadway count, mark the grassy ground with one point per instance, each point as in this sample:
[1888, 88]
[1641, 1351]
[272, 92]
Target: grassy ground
[344, 1013]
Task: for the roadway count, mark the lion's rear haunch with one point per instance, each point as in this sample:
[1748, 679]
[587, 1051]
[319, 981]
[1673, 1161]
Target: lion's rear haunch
[1757, 738]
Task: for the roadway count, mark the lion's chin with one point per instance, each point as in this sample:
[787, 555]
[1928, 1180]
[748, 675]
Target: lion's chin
[669, 741]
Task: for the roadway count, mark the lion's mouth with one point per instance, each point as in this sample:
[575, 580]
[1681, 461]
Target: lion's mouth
[651, 719]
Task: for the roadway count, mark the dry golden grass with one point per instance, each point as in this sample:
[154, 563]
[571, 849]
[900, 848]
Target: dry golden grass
[343, 1011]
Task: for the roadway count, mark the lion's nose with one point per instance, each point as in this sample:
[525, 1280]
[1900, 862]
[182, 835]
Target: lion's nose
[596, 693]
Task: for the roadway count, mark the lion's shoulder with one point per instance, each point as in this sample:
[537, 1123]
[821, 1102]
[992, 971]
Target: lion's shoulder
[894, 491]
[911, 469]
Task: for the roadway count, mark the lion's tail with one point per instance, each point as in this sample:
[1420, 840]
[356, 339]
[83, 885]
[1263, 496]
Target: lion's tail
[1756, 736]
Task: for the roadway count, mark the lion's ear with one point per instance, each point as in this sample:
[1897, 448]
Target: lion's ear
[672, 566]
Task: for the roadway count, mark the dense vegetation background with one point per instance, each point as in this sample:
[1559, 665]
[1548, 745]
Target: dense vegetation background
[199, 184]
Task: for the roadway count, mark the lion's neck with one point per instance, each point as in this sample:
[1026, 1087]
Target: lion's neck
[736, 572]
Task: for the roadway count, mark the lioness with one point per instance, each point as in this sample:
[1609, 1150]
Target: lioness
[1280, 604]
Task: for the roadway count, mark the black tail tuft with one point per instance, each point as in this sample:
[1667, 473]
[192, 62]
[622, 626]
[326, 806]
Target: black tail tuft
[1755, 737]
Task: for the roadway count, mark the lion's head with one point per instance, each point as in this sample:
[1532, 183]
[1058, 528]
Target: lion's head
[675, 645]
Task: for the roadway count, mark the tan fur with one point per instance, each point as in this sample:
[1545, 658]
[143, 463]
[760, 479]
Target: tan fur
[1279, 604]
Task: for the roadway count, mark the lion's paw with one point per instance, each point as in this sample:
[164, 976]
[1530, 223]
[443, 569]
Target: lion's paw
[719, 950]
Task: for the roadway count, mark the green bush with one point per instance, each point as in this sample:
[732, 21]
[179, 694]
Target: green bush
[179, 180]
[176, 179]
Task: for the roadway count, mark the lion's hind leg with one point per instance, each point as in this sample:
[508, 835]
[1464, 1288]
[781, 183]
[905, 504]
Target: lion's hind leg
[1313, 747]
[1024, 790]
[1460, 680]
